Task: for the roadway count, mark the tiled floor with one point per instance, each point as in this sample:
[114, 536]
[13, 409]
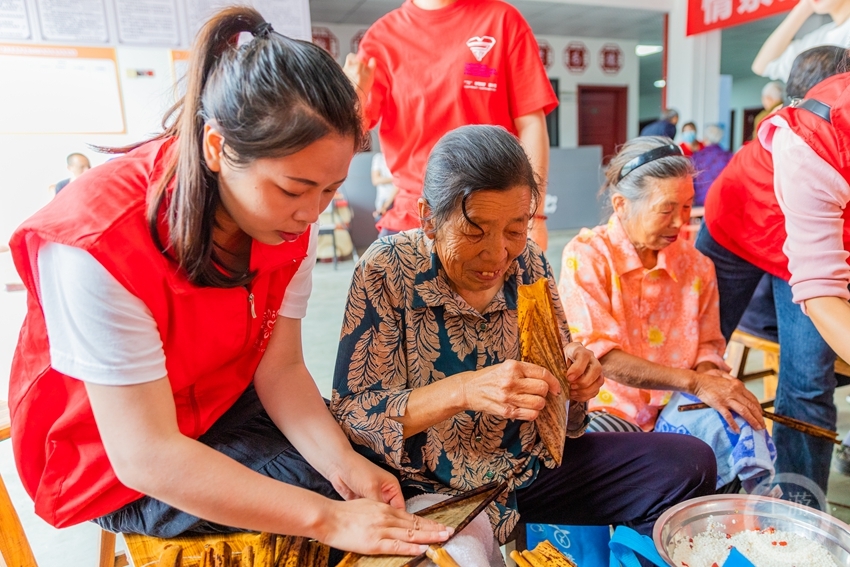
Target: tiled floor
[78, 545]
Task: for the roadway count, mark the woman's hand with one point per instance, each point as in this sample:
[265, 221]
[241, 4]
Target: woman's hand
[360, 73]
[353, 476]
[512, 389]
[584, 374]
[372, 528]
[726, 394]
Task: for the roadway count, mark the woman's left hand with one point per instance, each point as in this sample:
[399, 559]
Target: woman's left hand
[354, 477]
[584, 374]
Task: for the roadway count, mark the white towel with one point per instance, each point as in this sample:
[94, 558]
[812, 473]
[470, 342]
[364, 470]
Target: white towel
[748, 455]
[475, 546]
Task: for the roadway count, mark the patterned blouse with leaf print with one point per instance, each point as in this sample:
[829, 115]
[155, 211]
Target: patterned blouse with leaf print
[405, 328]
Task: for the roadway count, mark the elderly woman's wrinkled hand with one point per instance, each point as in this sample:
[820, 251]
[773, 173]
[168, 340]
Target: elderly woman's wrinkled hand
[512, 390]
[584, 374]
[726, 394]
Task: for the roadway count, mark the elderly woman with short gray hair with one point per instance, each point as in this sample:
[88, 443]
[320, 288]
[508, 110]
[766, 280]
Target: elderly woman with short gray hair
[645, 301]
[428, 380]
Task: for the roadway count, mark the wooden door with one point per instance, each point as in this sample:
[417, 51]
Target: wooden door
[602, 116]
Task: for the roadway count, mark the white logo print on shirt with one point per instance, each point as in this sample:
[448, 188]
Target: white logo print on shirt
[481, 46]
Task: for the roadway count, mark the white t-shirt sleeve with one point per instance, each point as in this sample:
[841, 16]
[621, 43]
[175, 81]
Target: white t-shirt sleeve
[828, 34]
[98, 331]
[294, 305]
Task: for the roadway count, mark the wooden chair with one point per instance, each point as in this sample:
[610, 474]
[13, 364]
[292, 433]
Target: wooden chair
[739, 349]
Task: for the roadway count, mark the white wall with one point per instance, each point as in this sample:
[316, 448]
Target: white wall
[746, 93]
[593, 75]
[30, 163]
[568, 82]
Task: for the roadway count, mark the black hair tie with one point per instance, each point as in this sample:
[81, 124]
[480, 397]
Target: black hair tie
[263, 30]
[669, 150]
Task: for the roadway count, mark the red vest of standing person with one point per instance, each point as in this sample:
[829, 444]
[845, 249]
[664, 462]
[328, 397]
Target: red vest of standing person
[741, 209]
[213, 338]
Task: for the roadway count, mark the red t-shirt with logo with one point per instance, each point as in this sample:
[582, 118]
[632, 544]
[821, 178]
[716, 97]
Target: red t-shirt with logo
[473, 62]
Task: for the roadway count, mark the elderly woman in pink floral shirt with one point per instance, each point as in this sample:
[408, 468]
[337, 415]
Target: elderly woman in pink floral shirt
[644, 300]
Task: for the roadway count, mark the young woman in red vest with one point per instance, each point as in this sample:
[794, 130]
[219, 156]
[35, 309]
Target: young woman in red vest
[158, 385]
[780, 208]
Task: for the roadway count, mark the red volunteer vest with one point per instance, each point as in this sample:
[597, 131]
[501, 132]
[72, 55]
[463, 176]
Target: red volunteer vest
[213, 343]
[741, 210]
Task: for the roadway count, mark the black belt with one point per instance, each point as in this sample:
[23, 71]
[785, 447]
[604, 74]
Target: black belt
[817, 108]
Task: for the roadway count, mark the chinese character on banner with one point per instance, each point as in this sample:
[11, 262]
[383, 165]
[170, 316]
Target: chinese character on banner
[708, 15]
[716, 10]
[750, 6]
[611, 58]
[324, 38]
[545, 51]
[355, 41]
[576, 57]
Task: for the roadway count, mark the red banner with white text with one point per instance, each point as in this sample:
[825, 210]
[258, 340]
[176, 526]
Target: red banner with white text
[707, 15]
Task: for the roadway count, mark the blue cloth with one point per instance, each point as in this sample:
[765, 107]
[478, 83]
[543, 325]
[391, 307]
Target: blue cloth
[806, 368]
[583, 545]
[748, 455]
[627, 546]
[659, 128]
[708, 162]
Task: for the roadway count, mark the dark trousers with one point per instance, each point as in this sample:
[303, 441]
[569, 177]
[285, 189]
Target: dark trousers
[244, 433]
[619, 478]
[806, 368]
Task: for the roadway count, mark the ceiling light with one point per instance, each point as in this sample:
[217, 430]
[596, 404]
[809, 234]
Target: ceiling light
[660, 83]
[644, 50]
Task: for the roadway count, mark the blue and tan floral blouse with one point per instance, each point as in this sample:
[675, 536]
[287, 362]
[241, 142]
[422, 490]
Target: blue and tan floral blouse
[405, 328]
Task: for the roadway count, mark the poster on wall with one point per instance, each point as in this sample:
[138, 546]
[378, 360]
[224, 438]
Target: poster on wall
[707, 15]
[147, 22]
[14, 23]
[356, 39]
[288, 17]
[82, 21]
[611, 58]
[545, 51]
[179, 68]
[576, 57]
[87, 77]
[325, 38]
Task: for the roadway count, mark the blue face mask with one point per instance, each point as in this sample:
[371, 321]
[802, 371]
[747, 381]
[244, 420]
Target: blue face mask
[689, 137]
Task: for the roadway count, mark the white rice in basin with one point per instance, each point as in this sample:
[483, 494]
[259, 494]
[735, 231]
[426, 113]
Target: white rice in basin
[764, 548]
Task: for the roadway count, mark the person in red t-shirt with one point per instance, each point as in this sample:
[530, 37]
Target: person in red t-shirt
[431, 66]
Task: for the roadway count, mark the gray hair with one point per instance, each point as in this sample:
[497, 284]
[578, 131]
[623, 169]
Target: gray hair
[470, 159]
[634, 186]
[774, 89]
[669, 114]
[714, 133]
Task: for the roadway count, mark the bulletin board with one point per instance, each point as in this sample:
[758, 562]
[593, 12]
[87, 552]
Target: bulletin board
[60, 90]
[179, 67]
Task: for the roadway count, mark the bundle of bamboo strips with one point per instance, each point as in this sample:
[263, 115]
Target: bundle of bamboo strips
[268, 550]
[540, 344]
[544, 555]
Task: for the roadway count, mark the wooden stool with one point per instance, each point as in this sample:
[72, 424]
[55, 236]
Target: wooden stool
[737, 353]
[145, 550]
[15, 550]
[208, 551]
[739, 348]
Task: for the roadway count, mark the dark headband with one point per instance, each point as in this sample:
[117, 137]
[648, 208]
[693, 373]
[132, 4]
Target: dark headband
[652, 155]
[263, 30]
